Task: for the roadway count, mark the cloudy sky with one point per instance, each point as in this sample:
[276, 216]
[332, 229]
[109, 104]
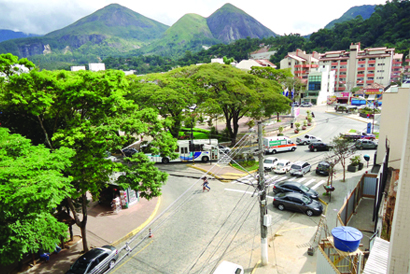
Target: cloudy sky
[282, 17]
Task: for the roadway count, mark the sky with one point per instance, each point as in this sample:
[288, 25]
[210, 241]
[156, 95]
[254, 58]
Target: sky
[282, 17]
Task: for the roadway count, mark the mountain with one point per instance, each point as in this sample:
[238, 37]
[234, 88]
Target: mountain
[365, 11]
[9, 34]
[229, 23]
[110, 30]
[190, 32]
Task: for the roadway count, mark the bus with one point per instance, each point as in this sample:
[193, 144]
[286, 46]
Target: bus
[201, 150]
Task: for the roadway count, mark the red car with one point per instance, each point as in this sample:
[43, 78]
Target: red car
[368, 136]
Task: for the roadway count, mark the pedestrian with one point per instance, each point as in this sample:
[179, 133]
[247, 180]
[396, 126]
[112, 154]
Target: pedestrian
[205, 185]
[44, 255]
[313, 115]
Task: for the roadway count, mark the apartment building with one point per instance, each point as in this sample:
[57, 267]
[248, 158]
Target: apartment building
[358, 68]
[397, 67]
[406, 68]
[300, 63]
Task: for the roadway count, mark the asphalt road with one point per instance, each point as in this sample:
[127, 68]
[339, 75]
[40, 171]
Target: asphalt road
[195, 230]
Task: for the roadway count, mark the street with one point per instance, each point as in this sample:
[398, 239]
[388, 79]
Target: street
[195, 230]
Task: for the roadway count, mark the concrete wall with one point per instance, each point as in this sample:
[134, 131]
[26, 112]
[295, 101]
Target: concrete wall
[399, 253]
[393, 124]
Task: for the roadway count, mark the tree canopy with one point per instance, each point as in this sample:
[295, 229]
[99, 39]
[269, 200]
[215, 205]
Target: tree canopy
[32, 185]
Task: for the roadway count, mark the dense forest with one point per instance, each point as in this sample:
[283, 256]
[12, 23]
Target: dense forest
[388, 26]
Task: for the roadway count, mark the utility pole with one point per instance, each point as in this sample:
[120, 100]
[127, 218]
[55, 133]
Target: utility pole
[262, 200]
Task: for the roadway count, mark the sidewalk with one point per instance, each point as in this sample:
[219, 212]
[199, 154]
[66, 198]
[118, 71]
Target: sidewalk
[101, 231]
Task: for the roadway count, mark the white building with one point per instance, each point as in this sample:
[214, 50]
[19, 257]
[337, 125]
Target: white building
[77, 68]
[300, 63]
[262, 54]
[248, 64]
[96, 66]
[320, 86]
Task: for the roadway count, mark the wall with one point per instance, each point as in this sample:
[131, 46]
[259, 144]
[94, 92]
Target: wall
[393, 124]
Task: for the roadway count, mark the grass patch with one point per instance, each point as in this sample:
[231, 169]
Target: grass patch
[195, 129]
[255, 166]
[376, 134]
[352, 131]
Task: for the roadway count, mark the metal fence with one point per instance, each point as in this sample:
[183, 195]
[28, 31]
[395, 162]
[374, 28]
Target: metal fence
[366, 187]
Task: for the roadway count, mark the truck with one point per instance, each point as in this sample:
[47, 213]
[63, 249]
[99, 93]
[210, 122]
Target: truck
[358, 136]
[275, 144]
[307, 140]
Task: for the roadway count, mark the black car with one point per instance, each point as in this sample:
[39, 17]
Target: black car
[297, 202]
[292, 186]
[319, 146]
[97, 260]
[128, 152]
[323, 168]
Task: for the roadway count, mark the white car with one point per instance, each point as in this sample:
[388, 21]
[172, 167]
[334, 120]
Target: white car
[269, 163]
[282, 166]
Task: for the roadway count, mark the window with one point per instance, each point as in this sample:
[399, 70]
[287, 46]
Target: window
[382, 70]
[315, 78]
[361, 66]
[343, 66]
[333, 67]
[381, 58]
[381, 64]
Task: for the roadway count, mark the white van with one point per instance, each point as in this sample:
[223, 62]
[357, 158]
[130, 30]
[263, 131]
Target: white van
[275, 144]
[229, 268]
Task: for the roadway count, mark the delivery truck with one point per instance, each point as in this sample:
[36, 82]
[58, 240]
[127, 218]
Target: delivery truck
[275, 144]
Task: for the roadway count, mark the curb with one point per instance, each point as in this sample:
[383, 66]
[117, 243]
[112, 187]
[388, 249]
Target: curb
[222, 179]
[339, 114]
[143, 225]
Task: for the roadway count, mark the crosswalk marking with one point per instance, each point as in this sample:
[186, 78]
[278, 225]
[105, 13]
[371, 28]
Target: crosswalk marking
[310, 181]
[318, 184]
[301, 180]
[246, 192]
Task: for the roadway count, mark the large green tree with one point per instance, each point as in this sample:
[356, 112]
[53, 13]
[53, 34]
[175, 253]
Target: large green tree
[32, 185]
[86, 111]
[234, 93]
[170, 93]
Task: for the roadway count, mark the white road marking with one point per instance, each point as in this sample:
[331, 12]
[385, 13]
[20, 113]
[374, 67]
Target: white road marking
[301, 180]
[309, 182]
[247, 192]
[318, 184]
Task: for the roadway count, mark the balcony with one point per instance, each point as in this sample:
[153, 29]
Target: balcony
[360, 82]
[368, 75]
[371, 68]
[407, 60]
[343, 63]
[342, 82]
[371, 62]
[300, 71]
[361, 62]
[360, 75]
[342, 76]
[343, 69]
[396, 62]
[341, 88]
[334, 63]
[369, 81]
[361, 69]
[396, 67]
[314, 66]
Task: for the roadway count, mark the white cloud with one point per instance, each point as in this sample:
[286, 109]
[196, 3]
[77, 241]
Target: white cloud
[298, 16]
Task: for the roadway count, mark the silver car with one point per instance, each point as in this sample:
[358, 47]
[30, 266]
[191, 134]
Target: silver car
[365, 144]
[97, 260]
[299, 168]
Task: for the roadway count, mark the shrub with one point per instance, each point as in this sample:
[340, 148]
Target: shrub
[297, 125]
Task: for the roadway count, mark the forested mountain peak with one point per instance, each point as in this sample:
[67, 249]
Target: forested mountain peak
[114, 20]
[230, 23]
[365, 11]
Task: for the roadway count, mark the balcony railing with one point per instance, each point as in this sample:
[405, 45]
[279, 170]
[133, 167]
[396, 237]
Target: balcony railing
[342, 76]
[343, 69]
[396, 66]
[361, 69]
[371, 68]
[362, 62]
[341, 88]
[371, 62]
[334, 63]
[343, 63]
[368, 75]
[369, 81]
[300, 71]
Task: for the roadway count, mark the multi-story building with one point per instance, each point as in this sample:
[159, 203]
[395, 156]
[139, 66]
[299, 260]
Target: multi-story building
[320, 85]
[406, 68]
[353, 68]
[397, 67]
[360, 67]
[300, 63]
[262, 53]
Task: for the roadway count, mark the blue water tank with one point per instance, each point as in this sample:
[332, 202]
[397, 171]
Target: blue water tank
[346, 238]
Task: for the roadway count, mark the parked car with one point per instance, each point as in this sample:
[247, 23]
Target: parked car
[269, 162]
[282, 166]
[323, 168]
[293, 186]
[307, 139]
[224, 149]
[299, 168]
[368, 136]
[297, 202]
[295, 104]
[306, 104]
[319, 146]
[228, 268]
[365, 144]
[128, 152]
[97, 260]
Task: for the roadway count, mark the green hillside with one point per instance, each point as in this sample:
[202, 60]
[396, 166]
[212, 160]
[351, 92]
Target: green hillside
[364, 11]
[190, 32]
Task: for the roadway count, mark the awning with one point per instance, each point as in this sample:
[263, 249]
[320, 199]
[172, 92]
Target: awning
[378, 258]
[371, 97]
